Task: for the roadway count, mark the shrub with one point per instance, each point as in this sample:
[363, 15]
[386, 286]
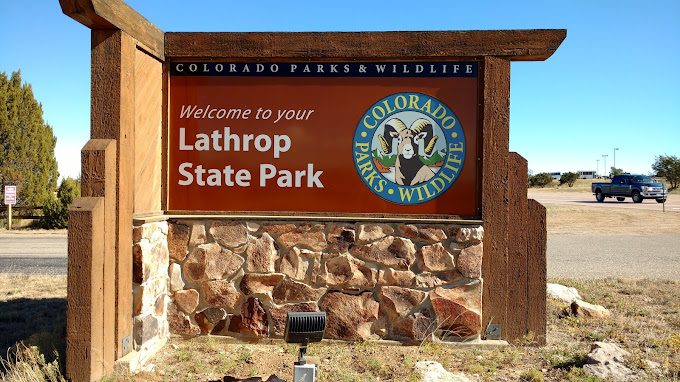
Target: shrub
[540, 180]
[569, 178]
[55, 209]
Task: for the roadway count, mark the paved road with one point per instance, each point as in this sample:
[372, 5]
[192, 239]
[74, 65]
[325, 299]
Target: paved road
[33, 254]
[588, 200]
[619, 256]
[573, 256]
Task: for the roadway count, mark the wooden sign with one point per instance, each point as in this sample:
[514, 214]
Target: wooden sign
[325, 137]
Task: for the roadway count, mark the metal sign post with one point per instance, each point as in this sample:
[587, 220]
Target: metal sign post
[10, 199]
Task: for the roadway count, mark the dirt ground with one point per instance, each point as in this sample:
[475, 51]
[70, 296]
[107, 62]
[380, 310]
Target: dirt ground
[574, 220]
[645, 321]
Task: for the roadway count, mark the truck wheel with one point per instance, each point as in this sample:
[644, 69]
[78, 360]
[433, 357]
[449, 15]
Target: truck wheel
[660, 200]
[620, 199]
[599, 196]
[636, 196]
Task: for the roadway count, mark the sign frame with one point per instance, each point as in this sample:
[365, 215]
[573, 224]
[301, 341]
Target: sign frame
[477, 161]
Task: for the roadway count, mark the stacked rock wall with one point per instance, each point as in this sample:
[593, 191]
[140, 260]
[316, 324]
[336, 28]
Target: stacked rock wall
[380, 281]
[150, 287]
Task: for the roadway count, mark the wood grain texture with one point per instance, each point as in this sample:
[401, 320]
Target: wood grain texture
[112, 117]
[147, 144]
[99, 180]
[517, 304]
[537, 270]
[165, 125]
[516, 45]
[495, 135]
[85, 286]
[116, 15]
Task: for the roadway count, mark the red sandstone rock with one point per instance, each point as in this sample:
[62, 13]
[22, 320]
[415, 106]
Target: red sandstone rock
[372, 232]
[392, 251]
[221, 263]
[389, 276]
[254, 318]
[306, 227]
[176, 282]
[415, 327]
[180, 323]
[470, 261]
[208, 318]
[398, 302]
[467, 234]
[294, 265]
[431, 234]
[277, 228]
[144, 296]
[293, 291]
[197, 234]
[410, 230]
[435, 258]
[316, 240]
[349, 317]
[187, 300]
[178, 240]
[428, 280]
[261, 255]
[229, 234]
[194, 267]
[458, 309]
[344, 270]
[279, 314]
[252, 283]
[149, 260]
[341, 237]
[221, 293]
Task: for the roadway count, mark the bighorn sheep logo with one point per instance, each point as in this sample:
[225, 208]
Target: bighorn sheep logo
[409, 169]
[409, 148]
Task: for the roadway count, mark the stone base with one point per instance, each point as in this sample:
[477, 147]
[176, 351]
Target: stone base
[138, 361]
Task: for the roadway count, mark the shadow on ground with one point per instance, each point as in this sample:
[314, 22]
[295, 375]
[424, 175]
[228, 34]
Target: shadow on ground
[36, 322]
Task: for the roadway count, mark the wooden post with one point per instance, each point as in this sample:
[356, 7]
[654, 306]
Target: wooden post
[85, 313]
[495, 132]
[516, 304]
[99, 180]
[537, 270]
[9, 217]
[112, 117]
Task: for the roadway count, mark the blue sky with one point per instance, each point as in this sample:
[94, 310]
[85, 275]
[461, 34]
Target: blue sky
[614, 82]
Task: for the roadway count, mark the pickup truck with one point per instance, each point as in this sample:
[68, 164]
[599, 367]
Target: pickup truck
[638, 187]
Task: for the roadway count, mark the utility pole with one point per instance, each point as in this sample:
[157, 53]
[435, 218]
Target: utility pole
[597, 173]
[605, 163]
[615, 148]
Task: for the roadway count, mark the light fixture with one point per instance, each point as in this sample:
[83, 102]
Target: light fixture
[303, 328]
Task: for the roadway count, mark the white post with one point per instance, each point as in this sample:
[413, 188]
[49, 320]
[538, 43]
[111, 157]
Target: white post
[9, 217]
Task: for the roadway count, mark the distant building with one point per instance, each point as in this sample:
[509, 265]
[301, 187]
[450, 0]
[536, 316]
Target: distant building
[587, 174]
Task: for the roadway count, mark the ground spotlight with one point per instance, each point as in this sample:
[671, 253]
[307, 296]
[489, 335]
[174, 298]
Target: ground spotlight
[303, 328]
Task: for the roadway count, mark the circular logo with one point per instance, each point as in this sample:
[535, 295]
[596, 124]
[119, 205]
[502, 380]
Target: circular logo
[409, 148]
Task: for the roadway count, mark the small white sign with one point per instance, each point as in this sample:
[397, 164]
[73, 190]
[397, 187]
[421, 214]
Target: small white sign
[10, 195]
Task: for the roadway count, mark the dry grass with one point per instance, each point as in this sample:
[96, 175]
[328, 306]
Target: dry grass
[33, 312]
[576, 220]
[645, 321]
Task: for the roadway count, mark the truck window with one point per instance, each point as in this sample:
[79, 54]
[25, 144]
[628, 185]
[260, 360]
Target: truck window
[642, 179]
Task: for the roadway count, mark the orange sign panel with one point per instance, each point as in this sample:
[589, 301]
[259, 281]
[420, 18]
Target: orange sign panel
[378, 138]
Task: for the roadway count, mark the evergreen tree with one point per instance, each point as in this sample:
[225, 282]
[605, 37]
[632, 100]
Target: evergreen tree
[26, 144]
